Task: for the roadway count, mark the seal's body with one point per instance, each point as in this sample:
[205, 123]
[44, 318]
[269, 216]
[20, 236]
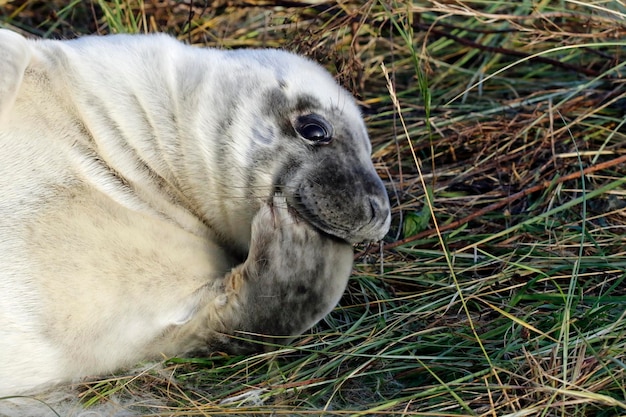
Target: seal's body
[158, 199]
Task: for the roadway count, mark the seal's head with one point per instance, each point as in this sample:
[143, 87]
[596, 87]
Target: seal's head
[313, 146]
[338, 191]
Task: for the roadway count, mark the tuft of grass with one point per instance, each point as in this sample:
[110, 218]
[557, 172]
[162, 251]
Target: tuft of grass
[499, 129]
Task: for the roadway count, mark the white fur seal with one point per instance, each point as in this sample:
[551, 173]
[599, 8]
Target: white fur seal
[158, 199]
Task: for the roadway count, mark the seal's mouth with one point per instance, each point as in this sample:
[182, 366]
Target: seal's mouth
[299, 211]
[323, 227]
[352, 234]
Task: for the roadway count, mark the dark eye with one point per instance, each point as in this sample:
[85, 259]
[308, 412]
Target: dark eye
[314, 128]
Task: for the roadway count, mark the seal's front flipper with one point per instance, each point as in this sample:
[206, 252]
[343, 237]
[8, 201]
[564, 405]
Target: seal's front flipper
[15, 54]
[294, 275]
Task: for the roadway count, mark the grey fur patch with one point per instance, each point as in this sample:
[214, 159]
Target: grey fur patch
[263, 133]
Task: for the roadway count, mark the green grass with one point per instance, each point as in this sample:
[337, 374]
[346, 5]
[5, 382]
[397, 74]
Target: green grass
[517, 305]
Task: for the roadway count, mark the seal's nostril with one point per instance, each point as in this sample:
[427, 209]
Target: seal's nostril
[375, 207]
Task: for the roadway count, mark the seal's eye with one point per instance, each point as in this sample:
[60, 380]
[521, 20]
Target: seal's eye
[314, 128]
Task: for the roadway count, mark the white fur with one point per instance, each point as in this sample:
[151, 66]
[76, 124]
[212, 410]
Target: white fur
[116, 222]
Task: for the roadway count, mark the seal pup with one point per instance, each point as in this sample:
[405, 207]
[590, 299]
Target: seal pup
[160, 199]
